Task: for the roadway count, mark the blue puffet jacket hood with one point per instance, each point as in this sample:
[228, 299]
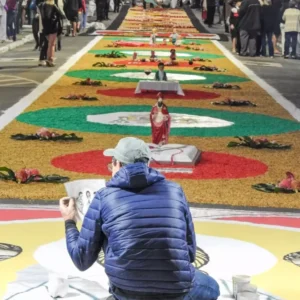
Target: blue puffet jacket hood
[143, 223]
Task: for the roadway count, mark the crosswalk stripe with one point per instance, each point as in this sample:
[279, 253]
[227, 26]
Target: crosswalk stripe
[11, 79]
[17, 83]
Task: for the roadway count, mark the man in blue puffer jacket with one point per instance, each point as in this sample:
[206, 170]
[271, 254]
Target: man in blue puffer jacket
[144, 225]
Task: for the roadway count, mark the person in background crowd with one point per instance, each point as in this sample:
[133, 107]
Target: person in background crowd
[71, 10]
[60, 5]
[220, 9]
[196, 4]
[249, 25]
[117, 6]
[106, 9]
[100, 10]
[291, 18]
[11, 19]
[268, 26]
[144, 226]
[80, 15]
[51, 18]
[233, 25]
[35, 31]
[277, 6]
[85, 4]
[211, 9]
[3, 23]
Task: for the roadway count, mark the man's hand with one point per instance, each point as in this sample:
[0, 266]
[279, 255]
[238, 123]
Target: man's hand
[67, 208]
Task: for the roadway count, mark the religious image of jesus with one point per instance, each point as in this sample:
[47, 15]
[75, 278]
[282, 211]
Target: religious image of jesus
[160, 122]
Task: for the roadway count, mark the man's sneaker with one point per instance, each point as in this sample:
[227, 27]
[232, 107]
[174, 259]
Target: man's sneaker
[42, 63]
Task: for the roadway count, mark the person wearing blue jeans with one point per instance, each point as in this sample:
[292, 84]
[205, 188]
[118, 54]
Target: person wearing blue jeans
[267, 40]
[11, 25]
[290, 41]
[144, 226]
[204, 288]
[291, 18]
[268, 27]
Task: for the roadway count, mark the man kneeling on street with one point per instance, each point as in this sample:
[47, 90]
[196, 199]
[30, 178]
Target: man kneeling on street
[143, 224]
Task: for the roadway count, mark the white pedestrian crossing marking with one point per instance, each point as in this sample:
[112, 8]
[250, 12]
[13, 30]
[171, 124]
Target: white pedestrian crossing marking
[262, 63]
[10, 80]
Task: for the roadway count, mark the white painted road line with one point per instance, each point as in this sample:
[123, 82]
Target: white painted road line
[275, 94]
[19, 59]
[11, 79]
[12, 112]
[17, 83]
[262, 63]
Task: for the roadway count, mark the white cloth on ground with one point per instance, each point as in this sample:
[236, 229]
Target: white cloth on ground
[159, 86]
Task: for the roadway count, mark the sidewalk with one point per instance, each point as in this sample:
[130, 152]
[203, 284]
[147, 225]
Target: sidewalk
[23, 37]
[26, 36]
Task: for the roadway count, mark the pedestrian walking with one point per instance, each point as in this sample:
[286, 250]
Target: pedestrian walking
[11, 19]
[71, 10]
[51, 21]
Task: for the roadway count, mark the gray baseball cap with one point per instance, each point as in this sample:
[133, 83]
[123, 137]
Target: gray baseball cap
[129, 149]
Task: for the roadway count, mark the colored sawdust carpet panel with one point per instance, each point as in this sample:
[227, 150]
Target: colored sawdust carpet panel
[223, 176]
[162, 20]
[249, 246]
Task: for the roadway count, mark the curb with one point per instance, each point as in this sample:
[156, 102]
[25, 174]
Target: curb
[28, 38]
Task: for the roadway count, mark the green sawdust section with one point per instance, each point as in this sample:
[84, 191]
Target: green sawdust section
[136, 39]
[244, 123]
[143, 53]
[110, 75]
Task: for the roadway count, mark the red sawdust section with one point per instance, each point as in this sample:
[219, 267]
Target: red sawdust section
[181, 64]
[276, 221]
[24, 214]
[129, 93]
[212, 166]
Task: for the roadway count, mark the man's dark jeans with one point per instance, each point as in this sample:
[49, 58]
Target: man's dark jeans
[290, 41]
[204, 288]
[267, 40]
[11, 24]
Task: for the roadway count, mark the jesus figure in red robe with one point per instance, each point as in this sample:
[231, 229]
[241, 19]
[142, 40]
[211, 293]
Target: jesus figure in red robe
[160, 122]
